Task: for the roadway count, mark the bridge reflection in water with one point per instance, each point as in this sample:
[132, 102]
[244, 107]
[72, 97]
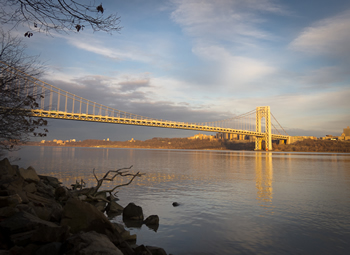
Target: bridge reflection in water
[264, 180]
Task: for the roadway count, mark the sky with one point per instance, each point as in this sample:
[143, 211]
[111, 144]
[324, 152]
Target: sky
[201, 60]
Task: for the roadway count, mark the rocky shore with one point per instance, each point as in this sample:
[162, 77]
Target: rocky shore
[40, 216]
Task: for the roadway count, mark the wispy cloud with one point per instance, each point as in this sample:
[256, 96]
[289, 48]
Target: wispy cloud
[229, 20]
[330, 37]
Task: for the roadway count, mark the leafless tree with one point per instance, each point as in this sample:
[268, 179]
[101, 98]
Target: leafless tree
[57, 15]
[17, 93]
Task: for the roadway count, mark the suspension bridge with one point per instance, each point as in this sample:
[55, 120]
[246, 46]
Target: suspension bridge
[56, 103]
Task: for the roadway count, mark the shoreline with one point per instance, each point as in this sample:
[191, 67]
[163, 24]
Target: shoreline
[325, 146]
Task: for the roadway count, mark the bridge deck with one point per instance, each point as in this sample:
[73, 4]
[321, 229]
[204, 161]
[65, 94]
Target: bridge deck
[144, 122]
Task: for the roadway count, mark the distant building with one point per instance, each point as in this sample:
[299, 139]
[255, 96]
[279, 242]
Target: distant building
[294, 139]
[346, 134]
[42, 141]
[201, 137]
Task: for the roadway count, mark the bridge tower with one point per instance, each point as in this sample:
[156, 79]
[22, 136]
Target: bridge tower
[263, 112]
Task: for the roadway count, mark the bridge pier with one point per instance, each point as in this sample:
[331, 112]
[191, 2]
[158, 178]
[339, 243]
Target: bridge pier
[263, 112]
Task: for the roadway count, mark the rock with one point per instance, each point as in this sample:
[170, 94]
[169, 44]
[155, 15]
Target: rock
[50, 248]
[152, 220]
[11, 200]
[176, 204]
[49, 180]
[89, 243]
[61, 193]
[125, 235]
[48, 234]
[80, 216]
[30, 188]
[142, 250]
[13, 185]
[45, 190]
[45, 208]
[23, 196]
[113, 208]
[19, 228]
[132, 212]
[29, 174]
[26, 208]
[22, 222]
[100, 205]
[156, 250]
[6, 168]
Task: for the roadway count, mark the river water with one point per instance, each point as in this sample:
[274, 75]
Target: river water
[231, 202]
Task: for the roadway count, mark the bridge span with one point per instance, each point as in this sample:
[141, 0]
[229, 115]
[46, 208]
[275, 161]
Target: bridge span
[56, 103]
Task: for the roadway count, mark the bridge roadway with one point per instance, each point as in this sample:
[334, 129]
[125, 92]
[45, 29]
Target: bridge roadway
[145, 122]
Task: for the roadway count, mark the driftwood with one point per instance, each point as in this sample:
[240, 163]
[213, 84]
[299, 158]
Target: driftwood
[94, 194]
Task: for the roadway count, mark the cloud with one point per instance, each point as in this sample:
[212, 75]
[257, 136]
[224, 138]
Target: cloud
[223, 19]
[129, 53]
[328, 37]
[234, 70]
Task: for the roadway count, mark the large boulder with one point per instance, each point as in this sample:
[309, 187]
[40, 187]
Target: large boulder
[22, 227]
[89, 243]
[29, 174]
[49, 180]
[80, 216]
[132, 212]
[6, 168]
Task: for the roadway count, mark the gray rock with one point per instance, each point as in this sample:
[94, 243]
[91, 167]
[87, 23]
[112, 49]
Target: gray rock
[6, 168]
[156, 250]
[125, 235]
[113, 208]
[152, 220]
[132, 212]
[90, 243]
[49, 180]
[142, 250]
[31, 188]
[29, 174]
[80, 216]
[23, 222]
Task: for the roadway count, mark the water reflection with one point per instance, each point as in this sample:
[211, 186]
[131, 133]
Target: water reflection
[264, 180]
[303, 198]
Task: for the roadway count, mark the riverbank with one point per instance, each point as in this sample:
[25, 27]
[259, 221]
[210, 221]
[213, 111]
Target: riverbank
[206, 144]
[40, 216]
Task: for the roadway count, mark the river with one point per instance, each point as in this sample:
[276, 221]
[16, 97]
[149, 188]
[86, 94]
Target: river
[231, 202]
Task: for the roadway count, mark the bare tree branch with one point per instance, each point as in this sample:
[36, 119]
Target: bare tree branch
[57, 15]
[17, 93]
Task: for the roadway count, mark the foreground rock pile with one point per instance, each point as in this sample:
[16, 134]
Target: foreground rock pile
[39, 216]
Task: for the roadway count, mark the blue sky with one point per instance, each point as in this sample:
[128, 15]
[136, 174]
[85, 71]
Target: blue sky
[189, 60]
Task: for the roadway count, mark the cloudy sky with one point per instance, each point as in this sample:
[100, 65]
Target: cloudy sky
[203, 60]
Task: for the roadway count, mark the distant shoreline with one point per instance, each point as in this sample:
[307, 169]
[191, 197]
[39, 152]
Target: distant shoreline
[206, 144]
